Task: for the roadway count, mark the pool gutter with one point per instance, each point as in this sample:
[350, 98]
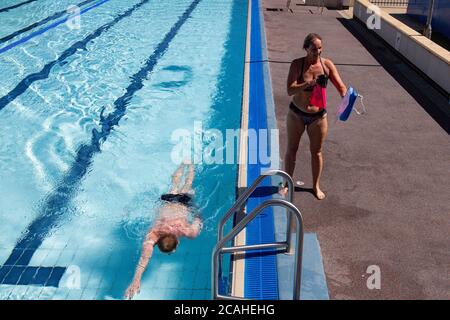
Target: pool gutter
[239, 282]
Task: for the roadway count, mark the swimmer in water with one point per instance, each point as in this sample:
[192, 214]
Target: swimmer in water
[171, 224]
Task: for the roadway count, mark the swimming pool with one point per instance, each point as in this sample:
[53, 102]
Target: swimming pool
[87, 117]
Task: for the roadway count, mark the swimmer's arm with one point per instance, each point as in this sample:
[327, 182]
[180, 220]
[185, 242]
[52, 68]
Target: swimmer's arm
[336, 78]
[147, 251]
[292, 86]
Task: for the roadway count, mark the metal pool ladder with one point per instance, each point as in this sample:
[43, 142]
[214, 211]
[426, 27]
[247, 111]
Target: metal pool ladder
[284, 246]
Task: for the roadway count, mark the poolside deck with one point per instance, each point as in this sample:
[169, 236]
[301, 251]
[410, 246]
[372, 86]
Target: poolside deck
[386, 173]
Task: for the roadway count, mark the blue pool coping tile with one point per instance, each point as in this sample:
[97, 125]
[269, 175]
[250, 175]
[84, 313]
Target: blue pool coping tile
[261, 279]
[313, 283]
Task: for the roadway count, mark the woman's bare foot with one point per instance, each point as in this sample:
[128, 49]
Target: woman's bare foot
[319, 194]
[283, 190]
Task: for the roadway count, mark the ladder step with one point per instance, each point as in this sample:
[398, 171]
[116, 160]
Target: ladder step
[276, 245]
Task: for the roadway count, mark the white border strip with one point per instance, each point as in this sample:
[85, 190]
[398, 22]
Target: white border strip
[268, 92]
[238, 277]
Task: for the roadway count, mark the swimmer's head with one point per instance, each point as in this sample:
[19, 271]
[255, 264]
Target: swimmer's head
[167, 243]
[313, 44]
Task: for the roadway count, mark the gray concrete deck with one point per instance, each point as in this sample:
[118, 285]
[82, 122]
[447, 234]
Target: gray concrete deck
[386, 173]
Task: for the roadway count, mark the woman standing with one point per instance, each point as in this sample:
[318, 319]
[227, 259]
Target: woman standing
[307, 81]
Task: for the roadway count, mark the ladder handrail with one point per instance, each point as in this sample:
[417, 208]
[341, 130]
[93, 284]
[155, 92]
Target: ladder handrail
[244, 196]
[218, 249]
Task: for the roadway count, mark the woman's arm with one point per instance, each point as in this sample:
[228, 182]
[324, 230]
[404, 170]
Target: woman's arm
[293, 87]
[336, 78]
[147, 251]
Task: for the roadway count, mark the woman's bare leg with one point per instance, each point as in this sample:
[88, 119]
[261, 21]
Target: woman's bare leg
[295, 128]
[317, 132]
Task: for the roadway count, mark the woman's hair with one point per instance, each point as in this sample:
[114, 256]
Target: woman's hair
[167, 243]
[309, 40]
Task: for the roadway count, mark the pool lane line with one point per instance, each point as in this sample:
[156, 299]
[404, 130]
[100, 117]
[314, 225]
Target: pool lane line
[55, 204]
[49, 27]
[39, 23]
[16, 5]
[26, 82]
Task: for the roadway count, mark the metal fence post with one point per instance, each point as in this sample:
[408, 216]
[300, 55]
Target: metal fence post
[428, 30]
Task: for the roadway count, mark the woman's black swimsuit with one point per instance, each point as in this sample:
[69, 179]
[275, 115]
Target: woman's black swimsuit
[307, 117]
[182, 198]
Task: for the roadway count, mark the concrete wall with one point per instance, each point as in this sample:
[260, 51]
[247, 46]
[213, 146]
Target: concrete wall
[426, 55]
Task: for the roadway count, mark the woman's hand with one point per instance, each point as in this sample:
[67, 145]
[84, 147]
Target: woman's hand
[134, 288]
[309, 84]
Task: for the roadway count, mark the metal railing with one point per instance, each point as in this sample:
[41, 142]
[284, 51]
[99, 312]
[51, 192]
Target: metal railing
[240, 202]
[284, 246]
[391, 3]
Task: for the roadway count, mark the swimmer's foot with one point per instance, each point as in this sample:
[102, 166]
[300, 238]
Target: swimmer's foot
[319, 194]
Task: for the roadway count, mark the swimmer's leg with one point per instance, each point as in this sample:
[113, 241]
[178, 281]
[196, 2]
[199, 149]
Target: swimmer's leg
[176, 178]
[189, 179]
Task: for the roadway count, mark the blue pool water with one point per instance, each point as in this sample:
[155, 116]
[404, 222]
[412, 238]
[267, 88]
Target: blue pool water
[86, 120]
